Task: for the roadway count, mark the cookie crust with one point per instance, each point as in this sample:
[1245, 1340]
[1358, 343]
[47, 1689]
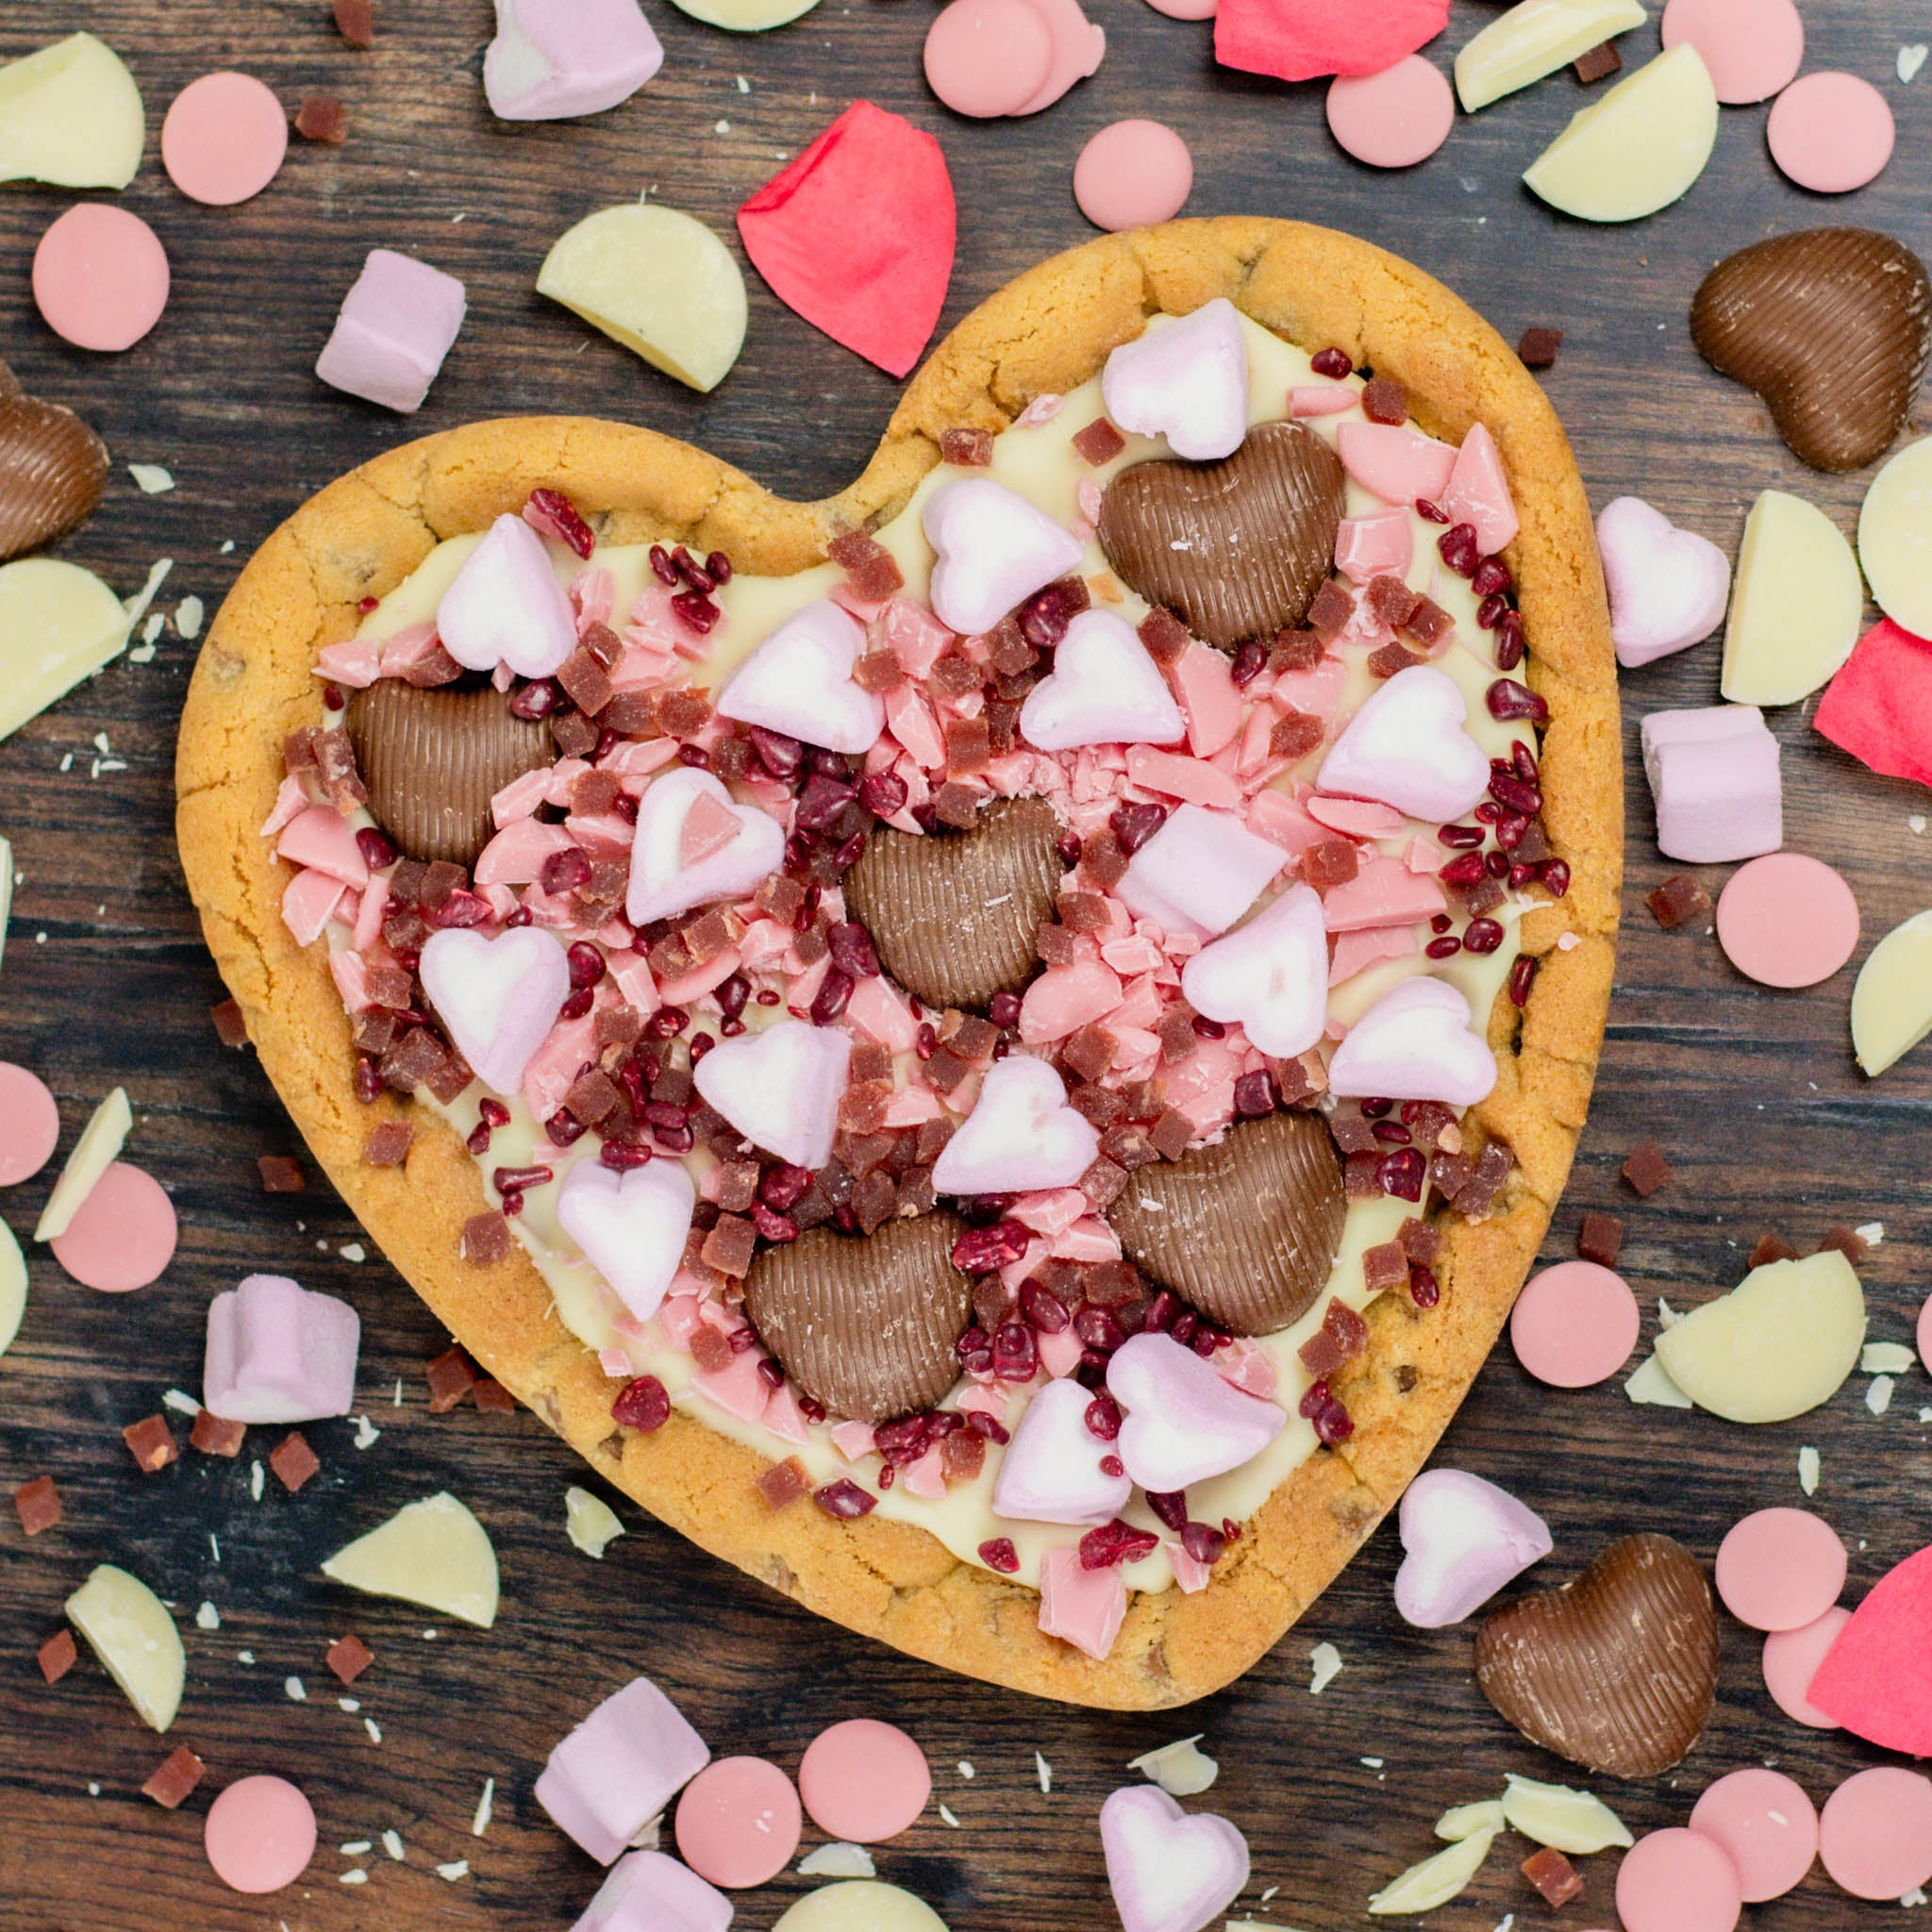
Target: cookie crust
[1045, 332]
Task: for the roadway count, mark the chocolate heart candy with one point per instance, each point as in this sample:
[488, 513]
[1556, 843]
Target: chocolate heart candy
[1235, 549]
[1246, 1229]
[1832, 327]
[1616, 1671]
[955, 915]
[52, 469]
[433, 758]
[867, 1324]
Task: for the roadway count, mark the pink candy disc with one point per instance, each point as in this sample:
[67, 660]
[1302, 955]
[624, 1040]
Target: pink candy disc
[29, 1125]
[1790, 1662]
[1780, 1569]
[1766, 1824]
[738, 1822]
[1925, 1333]
[100, 277]
[1830, 132]
[1133, 174]
[1678, 1881]
[224, 139]
[1785, 920]
[864, 1781]
[1751, 47]
[1078, 47]
[261, 1834]
[1393, 119]
[1574, 1324]
[986, 58]
[1875, 1833]
[123, 1235]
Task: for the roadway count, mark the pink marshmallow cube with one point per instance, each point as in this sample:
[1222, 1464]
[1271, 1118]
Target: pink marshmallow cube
[552, 60]
[647, 1891]
[1714, 776]
[279, 1354]
[395, 327]
[619, 1768]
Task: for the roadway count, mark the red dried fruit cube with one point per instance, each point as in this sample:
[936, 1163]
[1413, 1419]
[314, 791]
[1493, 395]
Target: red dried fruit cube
[39, 1504]
[293, 1461]
[151, 1442]
[1539, 346]
[389, 1143]
[322, 117]
[1678, 901]
[356, 21]
[486, 1239]
[56, 1656]
[493, 1398]
[1600, 1239]
[966, 449]
[231, 1029]
[281, 1173]
[1099, 442]
[1771, 1247]
[1385, 400]
[1552, 1874]
[173, 1779]
[1333, 862]
[451, 1377]
[783, 1483]
[214, 1435]
[1385, 1266]
[348, 1657]
[1645, 1168]
[1164, 633]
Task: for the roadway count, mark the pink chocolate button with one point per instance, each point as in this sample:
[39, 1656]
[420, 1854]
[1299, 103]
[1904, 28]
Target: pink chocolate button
[1875, 1832]
[123, 1235]
[864, 1781]
[1393, 119]
[1790, 1662]
[1077, 49]
[1768, 1826]
[1780, 1569]
[1786, 920]
[29, 1125]
[1925, 1333]
[986, 58]
[224, 139]
[1132, 174]
[1574, 1324]
[261, 1834]
[100, 277]
[738, 1822]
[1830, 132]
[1678, 1881]
[1751, 47]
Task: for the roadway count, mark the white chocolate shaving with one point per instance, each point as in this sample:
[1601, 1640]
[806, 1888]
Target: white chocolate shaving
[127, 1627]
[1562, 1817]
[838, 1860]
[1809, 1467]
[590, 1522]
[1324, 1662]
[1434, 1881]
[1878, 1396]
[151, 478]
[6, 894]
[12, 1288]
[94, 1152]
[1180, 1768]
[433, 1553]
[58, 624]
[1464, 1821]
[1886, 1359]
[1650, 1382]
[1910, 58]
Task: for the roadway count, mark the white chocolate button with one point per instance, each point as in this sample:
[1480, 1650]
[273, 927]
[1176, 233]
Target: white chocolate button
[58, 624]
[1533, 39]
[1796, 606]
[71, 115]
[745, 16]
[860, 1905]
[433, 1553]
[128, 1629]
[12, 1288]
[1892, 1004]
[1895, 539]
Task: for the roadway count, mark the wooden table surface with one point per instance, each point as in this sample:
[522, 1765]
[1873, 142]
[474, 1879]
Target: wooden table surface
[1753, 1093]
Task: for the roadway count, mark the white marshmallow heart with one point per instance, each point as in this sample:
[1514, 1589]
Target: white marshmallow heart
[1020, 1134]
[1668, 586]
[670, 872]
[1104, 689]
[1465, 1539]
[631, 1227]
[1183, 1421]
[1269, 976]
[1201, 871]
[507, 606]
[1407, 747]
[1414, 1043]
[1050, 1471]
[1187, 381]
[995, 549]
[799, 682]
[1169, 1871]
[780, 1087]
[498, 998]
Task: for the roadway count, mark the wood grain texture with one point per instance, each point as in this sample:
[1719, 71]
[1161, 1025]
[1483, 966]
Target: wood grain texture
[1754, 1095]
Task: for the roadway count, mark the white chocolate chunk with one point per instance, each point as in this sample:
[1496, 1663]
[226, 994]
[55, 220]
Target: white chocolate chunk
[1562, 1817]
[58, 624]
[1435, 1881]
[863, 1904]
[433, 1553]
[1535, 37]
[658, 282]
[1182, 1770]
[152, 478]
[1650, 1382]
[127, 1627]
[838, 1860]
[590, 1522]
[1886, 1359]
[1639, 148]
[94, 1152]
[71, 115]
[1796, 606]
[1781, 1342]
[1891, 1003]
[1895, 539]
[746, 16]
[1878, 1396]
[12, 1287]
[1464, 1821]
[1324, 1662]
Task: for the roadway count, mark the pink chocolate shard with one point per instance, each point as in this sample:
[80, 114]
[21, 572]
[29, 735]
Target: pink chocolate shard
[1415, 1043]
[1184, 1422]
[1465, 1539]
[397, 324]
[1668, 586]
[647, 1891]
[1081, 1606]
[278, 1353]
[1384, 892]
[1381, 543]
[1169, 1871]
[612, 1774]
[1478, 491]
[1394, 463]
[552, 60]
[1714, 776]
[1187, 381]
[708, 826]
[1051, 1471]
[507, 606]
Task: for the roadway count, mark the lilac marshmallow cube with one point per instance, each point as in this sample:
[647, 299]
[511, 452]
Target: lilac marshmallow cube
[620, 1767]
[1714, 776]
[395, 327]
[279, 1354]
[552, 60]
[648, 1892]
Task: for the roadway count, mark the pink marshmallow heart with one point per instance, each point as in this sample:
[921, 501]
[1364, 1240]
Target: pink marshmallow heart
[663, 882]
[1184, 1422]
[507, 606]
[611, 1775]
[1271, 976]
[1020, 1134]
[995, 550]
[1391, 460]
[1050, 1471]
[1465, 1539]
[397, 322]
[1187, 381]
[1379, 544]
[1169, 1871]
[552, 60]
[780, 1087]
[1414, 1043]
[648, 1891]
[1201, 871]
[1407, 747]
[1669, 588]
[1478, 491]
[631, 1227]
[279, 1354]
[1714, 776]
[498, 998]
[799, 682]
[1104, 689]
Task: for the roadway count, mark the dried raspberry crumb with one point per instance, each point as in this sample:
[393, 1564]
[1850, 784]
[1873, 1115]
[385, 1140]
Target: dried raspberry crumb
[1600, 1239]
[486, 1239]
[843, 1499]
[783, 1483]
[1599, 63]
[1678, 901]
[1771, 1247]
[1164, 633]
[642, 1405]
[231, 1029]
[996, 1553]
[493, 1398]
[356, 21]
[451, 1377]
[966, 449]
[151, 1442]
[1099, 442]
[293, 1461]
[175, 1778]
[1333, 364]
[1552, 1874]
[1847, 1241]
[322, 117]
[389, 1143]
[39, 1504]
[281, 1173]
[1385, 400]
[214, 1435]
[1646, 1169]
[56, 1656]
[348, 1657]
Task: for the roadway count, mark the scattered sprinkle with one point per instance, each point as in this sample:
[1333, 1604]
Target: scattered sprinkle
[393, 1844]
[244, 1657]
[136, 606]
[350, 1251]
[459, 1868]
[1807, 1470]
[1044, 1771]
[374, 1729]
[352, 1705]
[189, 614]
[1886, 1359]
[1878, 1396]
[156, 481]
[358, 1876]
[946, 1813]
[723, 127]
[1916, 825]
[1872, 1233]
[207, 1618]
[485, 1806]
[298, 1692]
[966, 1770]
[256, 1480]
[367, 1434]
[1326, 1663]
[356, 1848]
[1909, 62]
[181, 1402]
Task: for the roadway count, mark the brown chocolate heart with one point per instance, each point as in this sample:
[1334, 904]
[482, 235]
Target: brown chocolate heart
[52, 469]
[433, 760]
[1616, 1671]
[1246, 1229]
[1235, 549]
[867, 1324]
[955, 915]
[1832, 327]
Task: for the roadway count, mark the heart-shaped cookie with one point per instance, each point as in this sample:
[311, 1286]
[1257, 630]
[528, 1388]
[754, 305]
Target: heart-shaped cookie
[1235, 549]
[52, 469]
[1616, 1671]
[1832, 327]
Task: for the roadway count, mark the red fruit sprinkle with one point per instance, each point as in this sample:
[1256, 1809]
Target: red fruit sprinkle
[642, 1405]
[998, 1552]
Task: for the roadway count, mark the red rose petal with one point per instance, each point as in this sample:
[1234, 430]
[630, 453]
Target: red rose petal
[1302, 39]
[1876, 1679]
[1879, 707]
